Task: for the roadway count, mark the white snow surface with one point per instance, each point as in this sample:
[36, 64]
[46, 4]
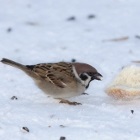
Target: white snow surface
[33, 31]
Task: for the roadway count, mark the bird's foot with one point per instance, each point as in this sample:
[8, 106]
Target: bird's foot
[69, 102]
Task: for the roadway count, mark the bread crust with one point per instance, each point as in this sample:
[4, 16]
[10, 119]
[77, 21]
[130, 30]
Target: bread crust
[126, 84]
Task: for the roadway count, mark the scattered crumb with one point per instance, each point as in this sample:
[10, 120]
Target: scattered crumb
[91, 16]
[72, 18]
[132, 111]
[32, 23]
[25, 129]
[137, 36]
[14, 98]
[124, 38]
[62, 126]
[9, 30]
[62, 138]
[73, 60]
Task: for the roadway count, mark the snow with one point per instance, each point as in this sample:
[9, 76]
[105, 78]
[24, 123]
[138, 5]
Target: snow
[35, 31]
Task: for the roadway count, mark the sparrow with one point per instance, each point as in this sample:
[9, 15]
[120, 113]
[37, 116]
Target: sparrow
[60, 80]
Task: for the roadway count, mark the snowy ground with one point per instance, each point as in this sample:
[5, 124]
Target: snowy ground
[33, 31]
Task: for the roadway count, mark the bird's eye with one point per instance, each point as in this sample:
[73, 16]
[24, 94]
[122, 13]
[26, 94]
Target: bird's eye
[83, 76]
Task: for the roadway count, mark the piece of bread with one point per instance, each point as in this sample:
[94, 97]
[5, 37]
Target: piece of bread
[126, 84]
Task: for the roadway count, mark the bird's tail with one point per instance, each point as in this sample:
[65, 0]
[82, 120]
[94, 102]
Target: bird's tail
[14, 64]
[24, 68]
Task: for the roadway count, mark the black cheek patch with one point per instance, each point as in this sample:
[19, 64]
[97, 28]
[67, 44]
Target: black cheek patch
[83, 77]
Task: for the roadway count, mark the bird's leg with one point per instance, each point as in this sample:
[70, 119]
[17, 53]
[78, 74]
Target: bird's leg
[68, 102]
[85, 94]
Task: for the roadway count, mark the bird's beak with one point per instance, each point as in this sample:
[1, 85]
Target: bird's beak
[97, 76]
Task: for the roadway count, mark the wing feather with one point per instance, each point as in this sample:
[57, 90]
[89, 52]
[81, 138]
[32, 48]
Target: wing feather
[59, 74]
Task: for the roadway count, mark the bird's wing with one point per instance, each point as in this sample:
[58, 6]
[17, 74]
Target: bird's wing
[59, 74]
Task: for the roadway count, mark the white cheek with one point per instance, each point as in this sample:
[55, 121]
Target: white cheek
[75, 73]
[77, 76]
[84, 83]
[87, 81]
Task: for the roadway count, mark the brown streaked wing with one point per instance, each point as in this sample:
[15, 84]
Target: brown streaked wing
[59, 74]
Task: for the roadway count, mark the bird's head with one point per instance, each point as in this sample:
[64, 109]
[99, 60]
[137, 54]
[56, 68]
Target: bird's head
[86, 73]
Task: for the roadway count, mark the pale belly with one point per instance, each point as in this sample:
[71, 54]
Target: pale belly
[58, 92]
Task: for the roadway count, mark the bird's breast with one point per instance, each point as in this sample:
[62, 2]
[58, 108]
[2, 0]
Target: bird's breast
[70, 90]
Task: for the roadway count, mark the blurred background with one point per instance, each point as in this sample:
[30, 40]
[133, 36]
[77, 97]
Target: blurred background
[103, 33]
[52, 30]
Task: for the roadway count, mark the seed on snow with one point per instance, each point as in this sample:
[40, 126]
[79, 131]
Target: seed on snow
[91, 16]
[62, 126]
[14, 98]
[25, 129]
[9, 29]
[72, 18]
[73, 60]
[62, 138]
[132, 111]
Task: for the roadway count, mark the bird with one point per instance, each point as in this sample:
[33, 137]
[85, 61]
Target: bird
[61, 80]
